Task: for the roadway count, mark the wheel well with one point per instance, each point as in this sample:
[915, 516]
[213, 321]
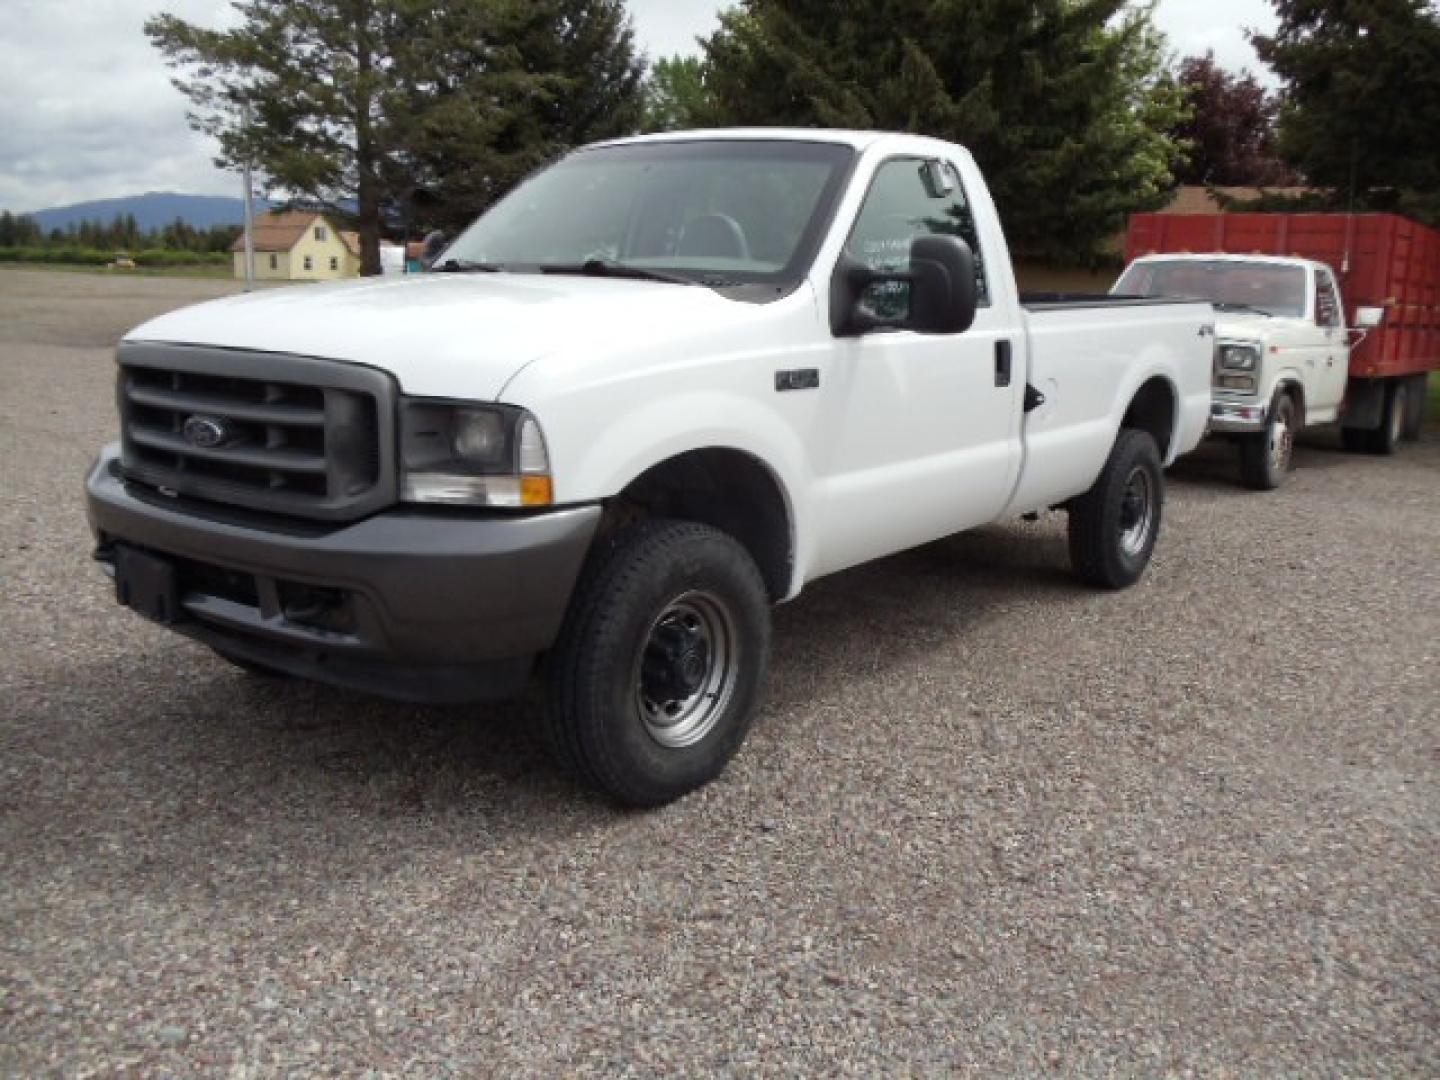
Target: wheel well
[1296, 392]
[1152, 410]
[727, 489]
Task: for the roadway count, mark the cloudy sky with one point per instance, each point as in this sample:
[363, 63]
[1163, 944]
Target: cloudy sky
[87, 110]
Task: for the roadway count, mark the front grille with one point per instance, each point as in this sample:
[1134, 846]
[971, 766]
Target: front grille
[289, 435]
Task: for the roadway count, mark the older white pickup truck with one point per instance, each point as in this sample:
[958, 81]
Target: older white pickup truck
[661, 386]
[1282, 354]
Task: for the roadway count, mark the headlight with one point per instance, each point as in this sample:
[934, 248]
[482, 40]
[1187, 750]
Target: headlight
[1239, 357]
[472, 455]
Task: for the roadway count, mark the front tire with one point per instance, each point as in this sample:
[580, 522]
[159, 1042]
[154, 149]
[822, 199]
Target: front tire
[659, 670]
[1266, 457]
[1114, 525]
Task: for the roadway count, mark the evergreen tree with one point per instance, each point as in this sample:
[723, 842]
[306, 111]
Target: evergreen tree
[1061, 101]
[9, 229]
[365, 101]
[1362, 99]
[677, 95]
[496, 89]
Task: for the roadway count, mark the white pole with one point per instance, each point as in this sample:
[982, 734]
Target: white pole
[249, 217]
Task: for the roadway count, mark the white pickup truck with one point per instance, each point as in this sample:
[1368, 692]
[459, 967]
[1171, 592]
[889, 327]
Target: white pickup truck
[661, 386]
[1282, 354]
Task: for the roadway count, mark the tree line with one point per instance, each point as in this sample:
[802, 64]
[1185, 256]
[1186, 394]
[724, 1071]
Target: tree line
[121, 233]
[413, 115]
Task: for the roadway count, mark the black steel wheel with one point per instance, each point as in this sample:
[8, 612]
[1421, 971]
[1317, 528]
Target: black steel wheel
[1114, 525]
[659, 670]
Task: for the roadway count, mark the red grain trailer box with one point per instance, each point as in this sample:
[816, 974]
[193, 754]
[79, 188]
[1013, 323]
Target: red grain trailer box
[1381, 260]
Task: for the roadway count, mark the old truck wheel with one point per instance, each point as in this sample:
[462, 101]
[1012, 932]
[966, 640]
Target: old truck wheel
[1266, 456]
[1385, 439]
[1415, 415]
[1114, 525]
[659, 670]
[1354, 439]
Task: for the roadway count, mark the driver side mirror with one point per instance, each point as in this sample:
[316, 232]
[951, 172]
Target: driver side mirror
[1369, 318]
[940, 281]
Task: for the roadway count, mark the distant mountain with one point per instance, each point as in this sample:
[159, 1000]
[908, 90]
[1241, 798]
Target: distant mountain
[153, 210]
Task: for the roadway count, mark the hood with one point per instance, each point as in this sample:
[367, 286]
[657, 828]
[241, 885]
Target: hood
[1252, 326]
[447, 335]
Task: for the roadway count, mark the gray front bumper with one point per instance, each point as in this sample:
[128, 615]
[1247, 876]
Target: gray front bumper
[439, 605]
[1237, 416]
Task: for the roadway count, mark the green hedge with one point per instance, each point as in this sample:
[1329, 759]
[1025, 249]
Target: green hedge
[75, 256]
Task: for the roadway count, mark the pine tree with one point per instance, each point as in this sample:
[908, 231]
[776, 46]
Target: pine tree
[1062, 102]
[1362, 97]
[362, 102]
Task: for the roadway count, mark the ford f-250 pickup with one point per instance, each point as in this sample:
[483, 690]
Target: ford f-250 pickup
[658, 388]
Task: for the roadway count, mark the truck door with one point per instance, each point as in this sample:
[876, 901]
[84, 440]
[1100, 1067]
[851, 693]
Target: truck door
[1332, 359]
[920, 436]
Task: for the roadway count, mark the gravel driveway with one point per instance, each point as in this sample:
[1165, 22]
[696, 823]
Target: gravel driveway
[989, 823]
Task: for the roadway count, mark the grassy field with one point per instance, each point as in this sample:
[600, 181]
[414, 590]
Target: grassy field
[139, 271]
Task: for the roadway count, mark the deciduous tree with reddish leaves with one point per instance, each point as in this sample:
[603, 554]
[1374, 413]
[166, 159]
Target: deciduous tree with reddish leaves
[1230, 133]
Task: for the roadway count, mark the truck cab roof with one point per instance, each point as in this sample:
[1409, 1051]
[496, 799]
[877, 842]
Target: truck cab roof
[860, 141]
[1220, 256]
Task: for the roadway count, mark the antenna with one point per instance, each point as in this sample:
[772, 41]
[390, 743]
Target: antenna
[1350, 210]
[249, 209]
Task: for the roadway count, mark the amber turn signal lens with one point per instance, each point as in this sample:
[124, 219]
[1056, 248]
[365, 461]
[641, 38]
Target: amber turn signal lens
[536, 491]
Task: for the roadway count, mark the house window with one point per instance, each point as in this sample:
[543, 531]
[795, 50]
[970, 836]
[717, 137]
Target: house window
[334, 262]
[274, 262]
[320, 233]
[309, 263]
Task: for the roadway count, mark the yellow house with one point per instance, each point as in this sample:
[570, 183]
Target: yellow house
[299, 245]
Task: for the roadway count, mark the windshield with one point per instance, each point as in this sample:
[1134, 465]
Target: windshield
[716, 212]
[1271, 288]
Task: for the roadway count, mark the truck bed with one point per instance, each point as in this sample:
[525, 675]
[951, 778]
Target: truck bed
[1083, 352]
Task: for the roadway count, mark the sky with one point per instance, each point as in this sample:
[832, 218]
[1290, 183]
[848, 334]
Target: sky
[87, 110]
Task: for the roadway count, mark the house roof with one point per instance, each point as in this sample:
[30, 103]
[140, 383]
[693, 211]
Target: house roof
[281, 230]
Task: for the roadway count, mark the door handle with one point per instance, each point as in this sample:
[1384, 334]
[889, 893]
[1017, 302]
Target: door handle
[1002, 363]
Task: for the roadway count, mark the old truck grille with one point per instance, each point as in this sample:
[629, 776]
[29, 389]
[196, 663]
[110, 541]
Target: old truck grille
[289, 435]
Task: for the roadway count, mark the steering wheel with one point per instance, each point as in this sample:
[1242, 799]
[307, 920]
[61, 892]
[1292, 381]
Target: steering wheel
[707, 234]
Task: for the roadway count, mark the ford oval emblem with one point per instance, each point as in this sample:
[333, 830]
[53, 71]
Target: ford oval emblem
[205, 432]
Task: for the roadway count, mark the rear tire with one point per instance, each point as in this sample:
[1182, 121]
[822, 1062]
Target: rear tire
[1266, 456]
[1355, 440]
[1114, 525]
[1385, 439]
[660, 667]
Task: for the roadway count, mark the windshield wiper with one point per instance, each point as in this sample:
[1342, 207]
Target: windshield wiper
[605, 268]
[467, 266]
[1228, 306]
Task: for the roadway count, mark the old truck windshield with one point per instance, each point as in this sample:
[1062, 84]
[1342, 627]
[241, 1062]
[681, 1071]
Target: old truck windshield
[708, 211]
[1271, 288]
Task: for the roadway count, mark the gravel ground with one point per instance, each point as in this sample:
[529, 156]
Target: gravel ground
[989, 823]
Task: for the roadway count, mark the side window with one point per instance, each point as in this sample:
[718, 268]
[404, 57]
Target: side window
[334, 262]
[320, 233]
[902, 204]
[1327, 304]
[309, 263]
